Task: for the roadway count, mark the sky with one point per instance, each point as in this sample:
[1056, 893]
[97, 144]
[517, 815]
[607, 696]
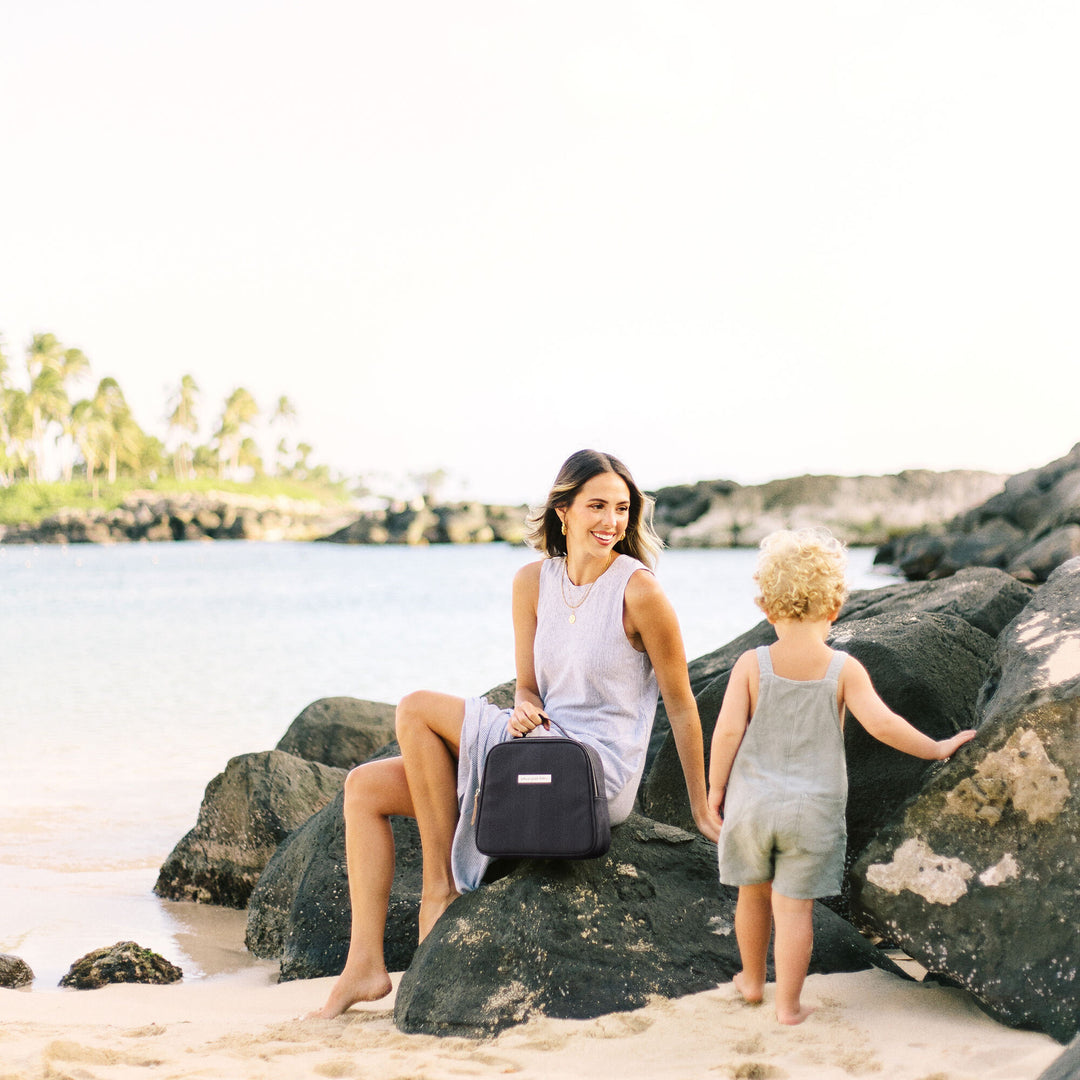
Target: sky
[719, 240]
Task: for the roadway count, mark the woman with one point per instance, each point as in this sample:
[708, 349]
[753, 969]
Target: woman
[595, 640]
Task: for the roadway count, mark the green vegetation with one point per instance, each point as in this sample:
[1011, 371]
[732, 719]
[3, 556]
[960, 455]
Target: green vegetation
[56, 452]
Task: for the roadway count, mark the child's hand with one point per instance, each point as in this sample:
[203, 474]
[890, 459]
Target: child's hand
[948, 747]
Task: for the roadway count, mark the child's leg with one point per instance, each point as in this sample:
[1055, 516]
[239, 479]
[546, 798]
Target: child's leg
[753, 928]
[791, 955]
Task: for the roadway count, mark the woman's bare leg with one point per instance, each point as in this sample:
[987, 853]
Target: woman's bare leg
[372, 793]
[791, 955]
[429, 734]
[753, 928]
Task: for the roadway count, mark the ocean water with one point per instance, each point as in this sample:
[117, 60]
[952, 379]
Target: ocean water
[133, 673]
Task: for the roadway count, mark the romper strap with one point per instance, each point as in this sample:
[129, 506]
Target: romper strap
[835, 664]
[764, 659]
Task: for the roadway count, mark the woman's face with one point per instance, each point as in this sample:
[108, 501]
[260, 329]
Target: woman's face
[597, 518]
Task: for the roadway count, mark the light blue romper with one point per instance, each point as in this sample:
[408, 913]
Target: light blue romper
[787, 793]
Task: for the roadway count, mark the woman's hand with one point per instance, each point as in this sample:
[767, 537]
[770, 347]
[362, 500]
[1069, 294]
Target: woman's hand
[525, 718]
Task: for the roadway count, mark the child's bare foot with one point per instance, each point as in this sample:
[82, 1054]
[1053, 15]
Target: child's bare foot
[795, 1017]
[431, 909]
[351, 988]
[752, 992]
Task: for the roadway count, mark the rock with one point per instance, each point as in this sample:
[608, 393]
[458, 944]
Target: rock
[339, 731]
[1038, 562]
[1026, 527]
[580, 939]
[247, 811]
[976, 878]
[447, 523]
[1037, 659]
[300, 914]
[14, 972]
[124, 962]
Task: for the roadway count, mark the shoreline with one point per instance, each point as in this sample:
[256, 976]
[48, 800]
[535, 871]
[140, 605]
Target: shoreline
[249, 1027]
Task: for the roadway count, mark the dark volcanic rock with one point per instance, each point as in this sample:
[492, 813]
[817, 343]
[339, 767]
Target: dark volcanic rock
[976, 878]
[246, 812]
[14, 972]
[580, 939]
[300, 913]
[340, 732]
[124, 962]
[1030, 528]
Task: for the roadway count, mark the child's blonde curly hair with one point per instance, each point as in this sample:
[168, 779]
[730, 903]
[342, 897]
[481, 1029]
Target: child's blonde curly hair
[800, 574]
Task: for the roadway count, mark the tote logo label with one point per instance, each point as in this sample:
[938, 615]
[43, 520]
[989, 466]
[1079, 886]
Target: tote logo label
[534, 778]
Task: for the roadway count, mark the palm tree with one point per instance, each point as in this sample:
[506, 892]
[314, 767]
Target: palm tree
[284, 414]
[240, 410]
[47, 402]
[90, 428]
[51, 367]
[182, 418]
[16, 430]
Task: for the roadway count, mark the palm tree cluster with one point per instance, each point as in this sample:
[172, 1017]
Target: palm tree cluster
[46, 434]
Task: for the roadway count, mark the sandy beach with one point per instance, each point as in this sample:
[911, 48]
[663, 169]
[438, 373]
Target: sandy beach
[246, 1026]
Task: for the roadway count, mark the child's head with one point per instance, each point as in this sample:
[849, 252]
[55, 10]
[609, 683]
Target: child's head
[800, 575]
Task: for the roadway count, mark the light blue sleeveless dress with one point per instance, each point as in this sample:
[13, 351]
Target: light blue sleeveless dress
[787, 794]
[594, 684]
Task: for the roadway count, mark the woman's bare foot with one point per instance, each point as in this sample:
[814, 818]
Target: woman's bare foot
[752, 992]
[351, 988]
[431, 909]
[796, 1017]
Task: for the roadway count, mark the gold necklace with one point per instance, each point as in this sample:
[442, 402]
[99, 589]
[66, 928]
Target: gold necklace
[562, 588]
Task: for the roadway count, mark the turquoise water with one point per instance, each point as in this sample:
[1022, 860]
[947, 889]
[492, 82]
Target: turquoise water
[133, 673]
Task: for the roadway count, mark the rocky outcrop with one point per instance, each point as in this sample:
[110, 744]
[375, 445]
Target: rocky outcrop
[339, 731]
[448, 523]
[580, 939]
[14, 972]
[1028, 529]
[151, 516]
[976, 877]
[124, 962]
[246, 812]
[860, 510]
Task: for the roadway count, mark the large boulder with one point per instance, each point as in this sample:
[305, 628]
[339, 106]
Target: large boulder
[926, 666]
[246, 812]
[299, 912]
[339, 731]
[581, 939]
[976, 878]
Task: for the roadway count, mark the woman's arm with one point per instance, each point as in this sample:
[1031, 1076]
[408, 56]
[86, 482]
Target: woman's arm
[859, 695]
[651, 622]
[528, 708]
[735, 712]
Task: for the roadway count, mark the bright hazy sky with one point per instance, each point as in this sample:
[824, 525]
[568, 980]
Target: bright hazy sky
[743, 240]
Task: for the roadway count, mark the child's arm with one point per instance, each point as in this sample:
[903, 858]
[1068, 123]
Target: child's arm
[859, 695]
[730, 728]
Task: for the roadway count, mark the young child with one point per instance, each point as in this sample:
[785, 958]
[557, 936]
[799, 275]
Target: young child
[777, 774]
